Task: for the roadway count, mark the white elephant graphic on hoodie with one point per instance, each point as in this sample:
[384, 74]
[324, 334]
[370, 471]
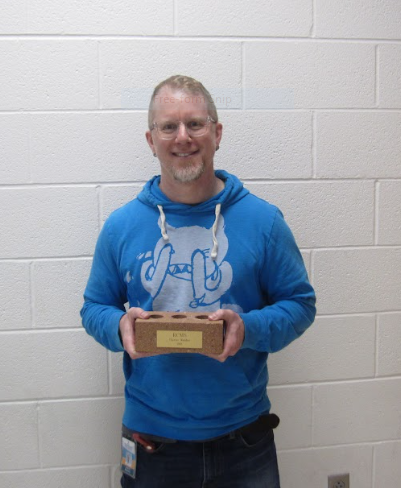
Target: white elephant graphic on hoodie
[180, 273]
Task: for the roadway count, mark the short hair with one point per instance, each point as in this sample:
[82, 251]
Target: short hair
[188, 85]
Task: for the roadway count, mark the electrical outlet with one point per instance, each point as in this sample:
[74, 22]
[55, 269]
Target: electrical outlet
[339, 481]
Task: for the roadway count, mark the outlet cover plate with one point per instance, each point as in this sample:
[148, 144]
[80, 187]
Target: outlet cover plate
[339, 481]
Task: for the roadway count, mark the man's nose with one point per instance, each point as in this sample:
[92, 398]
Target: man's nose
[182, 133]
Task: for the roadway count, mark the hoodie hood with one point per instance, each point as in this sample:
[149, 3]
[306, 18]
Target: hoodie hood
[233, 191]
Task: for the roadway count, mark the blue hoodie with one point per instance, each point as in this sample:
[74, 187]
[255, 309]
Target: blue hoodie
[233, 251]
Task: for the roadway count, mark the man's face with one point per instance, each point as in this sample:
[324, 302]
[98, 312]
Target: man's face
[183, 158]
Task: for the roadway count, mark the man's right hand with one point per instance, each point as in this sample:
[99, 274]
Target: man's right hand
[127, 330]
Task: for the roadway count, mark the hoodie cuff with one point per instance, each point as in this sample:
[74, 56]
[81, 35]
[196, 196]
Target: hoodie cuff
[253, 334]
[115, 339]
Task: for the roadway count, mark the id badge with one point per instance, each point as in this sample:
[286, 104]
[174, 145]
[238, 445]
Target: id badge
[128, 457]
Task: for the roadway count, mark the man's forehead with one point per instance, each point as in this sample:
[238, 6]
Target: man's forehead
[169, 101]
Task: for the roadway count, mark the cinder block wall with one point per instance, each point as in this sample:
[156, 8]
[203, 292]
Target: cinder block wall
[309, 92]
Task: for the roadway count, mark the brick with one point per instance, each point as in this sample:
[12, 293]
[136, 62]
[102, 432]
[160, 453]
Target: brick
[15, 296]
[389, 206]
[43, 222]
[311, 467]
[236, 18]
[61, 478]
[358, 145]
[349, 413]
[80, 432]
[360, 280]
[60, 364]
[358, 19]
[18, 421]
[166, 332]
[79, 147]
[62, 283]
[14, 148]
[45, 75]
[275, 137]
[347, 342]
[387, 465]
[114, 197]
[123, 17]
[294, 407]
[389, 67]
[216, 65]
[308, 75]
[389, 344]
[348, 217]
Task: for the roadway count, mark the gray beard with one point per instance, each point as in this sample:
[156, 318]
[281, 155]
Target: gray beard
[186, 175]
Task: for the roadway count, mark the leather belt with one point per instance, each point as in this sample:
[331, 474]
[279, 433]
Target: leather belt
[262, 424]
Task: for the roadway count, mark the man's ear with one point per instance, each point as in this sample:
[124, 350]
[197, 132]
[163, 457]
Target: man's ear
[149, 140]
[219, 132]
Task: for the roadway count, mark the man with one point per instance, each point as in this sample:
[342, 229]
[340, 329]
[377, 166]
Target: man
[197, 240]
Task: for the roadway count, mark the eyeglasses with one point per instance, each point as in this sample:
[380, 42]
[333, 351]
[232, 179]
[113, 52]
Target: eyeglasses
[195, 127]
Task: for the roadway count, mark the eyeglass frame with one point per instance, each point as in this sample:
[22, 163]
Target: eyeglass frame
[209, 120]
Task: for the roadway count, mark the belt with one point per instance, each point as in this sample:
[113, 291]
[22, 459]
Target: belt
[262, 424]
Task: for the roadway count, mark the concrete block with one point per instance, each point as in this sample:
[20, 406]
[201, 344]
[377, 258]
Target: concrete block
[49, 74]
[311, 467]
[115, 476]
[308, 75]
[102, 17]
[348, 413]
[387, 471]
[235, 18]
[13, 75]
[113, 197]
[58, 288]
[357, 280]
[389, 211]
[389, 67]
[306, 256]
[60, 364]
[294, 407]
[389, 344]
[13, 18]
[272, 145]
[361, 19]
[216, 65]
[15, 296]
[116, 380]
[14, 148]
[90, 147]
[358, 145]
[84, 432]
[334, 348]
[97, 476]
[166, 332]
[18, 436]
[43, 222]
[324, 213]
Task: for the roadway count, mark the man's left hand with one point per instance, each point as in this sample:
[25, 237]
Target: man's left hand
[234, 333]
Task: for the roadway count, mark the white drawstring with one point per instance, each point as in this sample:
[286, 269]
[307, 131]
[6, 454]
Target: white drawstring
[213, 254]
[214, 229]
[163, 222]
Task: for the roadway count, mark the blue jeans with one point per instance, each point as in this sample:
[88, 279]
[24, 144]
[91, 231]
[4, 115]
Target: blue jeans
[238, 462]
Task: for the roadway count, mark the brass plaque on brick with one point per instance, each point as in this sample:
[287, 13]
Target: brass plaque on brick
[179, 332]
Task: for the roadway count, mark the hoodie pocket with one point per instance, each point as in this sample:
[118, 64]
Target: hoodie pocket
[191, 386]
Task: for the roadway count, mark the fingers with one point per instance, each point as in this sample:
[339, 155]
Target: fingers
[127, 328]
[234, 332]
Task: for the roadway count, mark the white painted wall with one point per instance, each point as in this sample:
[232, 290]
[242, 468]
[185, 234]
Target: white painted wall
[309, 92]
